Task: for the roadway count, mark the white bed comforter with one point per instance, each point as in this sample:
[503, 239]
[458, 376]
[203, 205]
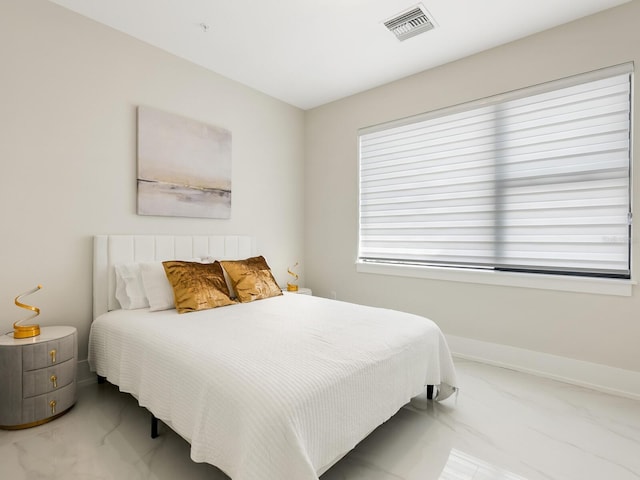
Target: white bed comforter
[274, 389]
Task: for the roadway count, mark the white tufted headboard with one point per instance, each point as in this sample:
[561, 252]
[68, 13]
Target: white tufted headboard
[109, 250]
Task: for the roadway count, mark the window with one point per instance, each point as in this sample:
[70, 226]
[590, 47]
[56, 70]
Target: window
[533, 181]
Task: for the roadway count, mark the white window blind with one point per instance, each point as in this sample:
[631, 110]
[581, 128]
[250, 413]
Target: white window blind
[536, 180]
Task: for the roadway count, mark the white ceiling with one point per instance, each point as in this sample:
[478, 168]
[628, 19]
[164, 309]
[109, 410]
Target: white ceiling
[310, 52]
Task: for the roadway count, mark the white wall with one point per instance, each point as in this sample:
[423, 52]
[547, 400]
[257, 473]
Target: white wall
[594, 328]
[69, 89]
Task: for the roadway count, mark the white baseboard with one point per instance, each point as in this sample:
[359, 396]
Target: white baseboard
[84, 374]
[603, 378]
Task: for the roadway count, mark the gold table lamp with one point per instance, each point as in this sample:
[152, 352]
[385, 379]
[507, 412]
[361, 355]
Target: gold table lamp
[292, 287]
[26, 331]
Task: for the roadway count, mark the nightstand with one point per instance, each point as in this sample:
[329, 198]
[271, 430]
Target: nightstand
[38, 377]
[301, 291]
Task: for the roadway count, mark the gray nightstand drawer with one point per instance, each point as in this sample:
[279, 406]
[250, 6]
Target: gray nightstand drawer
[49, 353]
[37, 382]
[41, 407]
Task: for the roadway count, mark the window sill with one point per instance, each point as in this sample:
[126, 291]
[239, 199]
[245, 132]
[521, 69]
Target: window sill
[602, 286]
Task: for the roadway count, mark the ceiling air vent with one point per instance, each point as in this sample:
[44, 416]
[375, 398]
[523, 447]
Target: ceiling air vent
[409, 24]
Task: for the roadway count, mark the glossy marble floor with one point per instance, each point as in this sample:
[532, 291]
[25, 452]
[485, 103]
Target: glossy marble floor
[504, 425]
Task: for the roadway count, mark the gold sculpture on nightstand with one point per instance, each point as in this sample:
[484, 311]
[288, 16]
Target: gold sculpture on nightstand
[27, 331]
[292, 287]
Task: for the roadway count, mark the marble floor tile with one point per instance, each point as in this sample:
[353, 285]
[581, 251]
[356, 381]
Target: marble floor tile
[503, 425]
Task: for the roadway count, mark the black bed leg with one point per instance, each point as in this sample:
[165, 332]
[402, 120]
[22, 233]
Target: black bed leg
[430, 392]
[154, 426]
[101, 379]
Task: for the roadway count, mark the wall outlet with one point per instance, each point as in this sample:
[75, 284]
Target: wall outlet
[332, 295]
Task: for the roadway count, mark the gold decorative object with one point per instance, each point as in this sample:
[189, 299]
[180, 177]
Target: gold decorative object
[26, 331]
[292, 287]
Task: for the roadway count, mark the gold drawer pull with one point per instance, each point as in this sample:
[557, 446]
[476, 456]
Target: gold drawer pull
[52, 404]
[54, 380]
[52, 354]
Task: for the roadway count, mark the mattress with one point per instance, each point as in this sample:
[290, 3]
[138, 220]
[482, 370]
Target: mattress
[274, 389]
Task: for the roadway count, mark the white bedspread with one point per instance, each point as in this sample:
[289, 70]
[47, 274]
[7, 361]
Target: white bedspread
[274, 389]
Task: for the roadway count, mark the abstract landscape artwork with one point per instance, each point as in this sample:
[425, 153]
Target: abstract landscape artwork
[184, 166]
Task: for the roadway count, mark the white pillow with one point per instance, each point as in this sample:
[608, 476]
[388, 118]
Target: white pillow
[130, 291]
[157, 287]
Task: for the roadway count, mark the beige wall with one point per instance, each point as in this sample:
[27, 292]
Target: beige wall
[594, 328]
[69, 89]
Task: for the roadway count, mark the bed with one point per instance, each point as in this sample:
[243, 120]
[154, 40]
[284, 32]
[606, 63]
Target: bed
[272, 389]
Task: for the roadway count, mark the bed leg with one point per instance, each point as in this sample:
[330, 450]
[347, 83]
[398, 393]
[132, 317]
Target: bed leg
[154, 426]
[101, 379]
[431, 391]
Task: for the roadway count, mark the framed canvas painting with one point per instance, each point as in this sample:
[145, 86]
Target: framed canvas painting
[184, 166]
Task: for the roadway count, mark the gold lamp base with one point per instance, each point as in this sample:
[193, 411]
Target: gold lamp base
[26, 331]
[291, 287]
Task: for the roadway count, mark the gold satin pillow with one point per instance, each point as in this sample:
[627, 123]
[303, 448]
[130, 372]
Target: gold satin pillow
[251, 279]
[197, 286]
